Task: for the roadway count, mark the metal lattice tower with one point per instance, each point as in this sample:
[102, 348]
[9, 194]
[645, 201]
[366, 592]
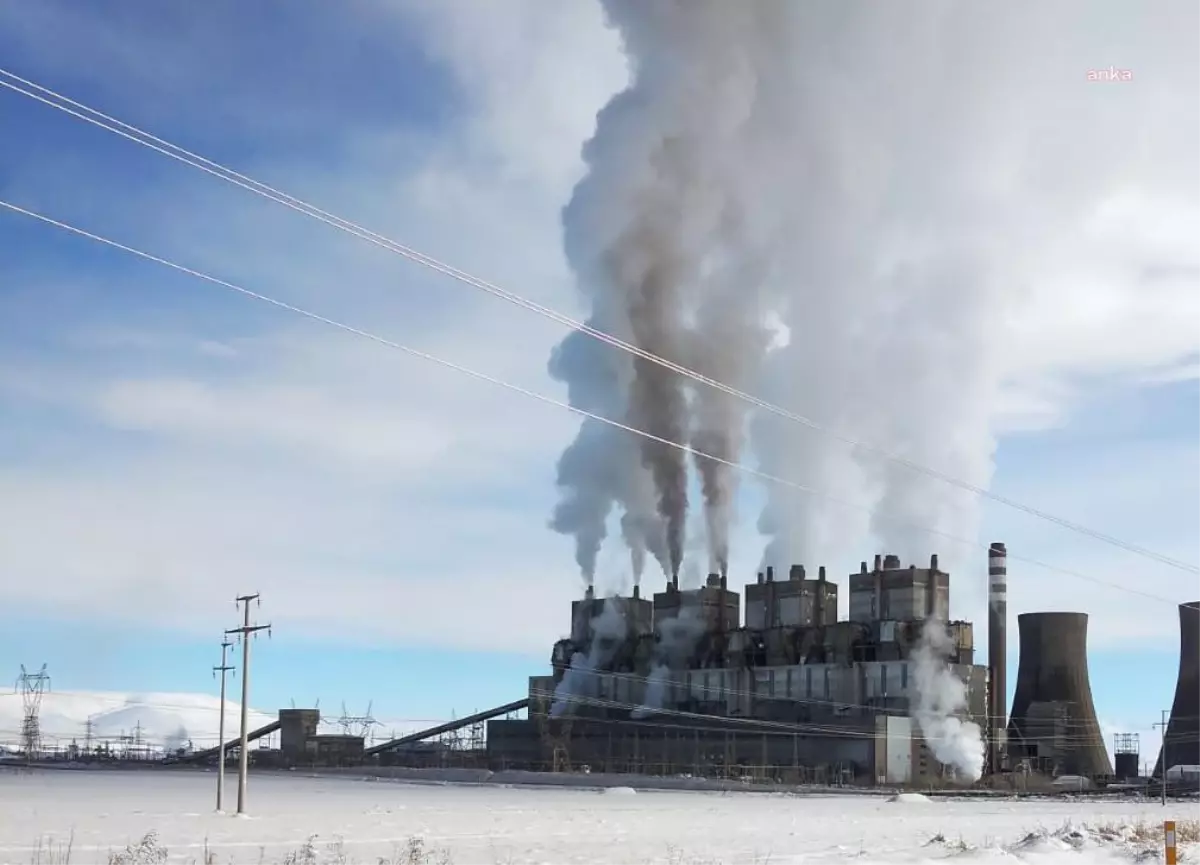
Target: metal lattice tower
[357, 725]
[33, 686]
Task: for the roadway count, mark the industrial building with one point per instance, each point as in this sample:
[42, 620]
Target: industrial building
[680, 684]
[687, 682]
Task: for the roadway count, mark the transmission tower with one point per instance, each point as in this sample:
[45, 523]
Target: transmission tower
[33, 687]
[357, 725]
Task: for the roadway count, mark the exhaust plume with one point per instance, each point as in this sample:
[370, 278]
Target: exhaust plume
[940, 697]
[677, 638]
[600, 468]
[579, 682]
[669, 229]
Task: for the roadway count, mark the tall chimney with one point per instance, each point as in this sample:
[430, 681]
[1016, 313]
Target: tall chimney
[637, 591]
[770, 573]
[822, 591]
[997, 704]
[589, 593]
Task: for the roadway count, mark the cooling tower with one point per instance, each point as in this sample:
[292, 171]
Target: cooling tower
[1053, 722]
[1181, 744]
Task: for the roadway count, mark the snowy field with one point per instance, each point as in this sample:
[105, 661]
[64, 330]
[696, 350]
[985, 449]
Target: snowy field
[355, 820]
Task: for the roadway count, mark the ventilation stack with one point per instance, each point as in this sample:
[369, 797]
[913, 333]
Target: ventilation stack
[1181, 742]
[1053, 723]
[997, 706]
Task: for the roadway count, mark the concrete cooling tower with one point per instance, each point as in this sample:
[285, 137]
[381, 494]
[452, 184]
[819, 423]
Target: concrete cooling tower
[1053, 722]
[1181, 744]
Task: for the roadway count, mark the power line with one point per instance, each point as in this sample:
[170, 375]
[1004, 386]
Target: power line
[481, 376]
[216, 169]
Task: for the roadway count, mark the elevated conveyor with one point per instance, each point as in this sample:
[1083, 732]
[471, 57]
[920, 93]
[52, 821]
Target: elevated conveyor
[449, 726]
[208, 753]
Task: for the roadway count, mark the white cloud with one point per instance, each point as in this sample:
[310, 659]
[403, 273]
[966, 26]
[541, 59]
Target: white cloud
[369, 495]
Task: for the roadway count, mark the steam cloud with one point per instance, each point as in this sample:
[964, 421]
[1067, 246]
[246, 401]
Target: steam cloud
[869, 182]
[677, 640]
[671, 246]
[579, 681]
[940, 696]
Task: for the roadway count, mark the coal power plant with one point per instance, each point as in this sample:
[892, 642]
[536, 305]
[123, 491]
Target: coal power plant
[1053, 727]
[1181, 742]
[774, 685]
[680, 684]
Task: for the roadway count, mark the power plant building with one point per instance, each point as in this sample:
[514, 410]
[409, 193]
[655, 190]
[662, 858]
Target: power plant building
[794, 691]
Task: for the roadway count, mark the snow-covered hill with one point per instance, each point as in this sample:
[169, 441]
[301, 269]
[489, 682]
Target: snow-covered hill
[160, 720]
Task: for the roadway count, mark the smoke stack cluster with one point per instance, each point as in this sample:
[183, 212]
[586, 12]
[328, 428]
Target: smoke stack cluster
[997, 703]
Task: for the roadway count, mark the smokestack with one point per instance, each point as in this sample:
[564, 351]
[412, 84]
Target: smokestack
[637, 591]
[1181, 741]
[796, 572]
[822, 589]
[770, 573]
[589, 593]
[933, 562]
[724, 582]
[1052, 676]
[997, 703]
[760, 578]
[878, 587]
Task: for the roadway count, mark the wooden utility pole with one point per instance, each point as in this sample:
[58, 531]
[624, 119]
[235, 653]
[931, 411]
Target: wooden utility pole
[244, 633]
[223, 669]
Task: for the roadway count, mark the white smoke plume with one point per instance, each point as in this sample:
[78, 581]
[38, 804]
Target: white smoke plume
[580, 681]
[889, 184]
[940, 697]
[677, 638]
[669, 239]
[601, 467]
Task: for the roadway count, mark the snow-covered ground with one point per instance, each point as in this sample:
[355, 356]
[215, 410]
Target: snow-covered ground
[363, 821]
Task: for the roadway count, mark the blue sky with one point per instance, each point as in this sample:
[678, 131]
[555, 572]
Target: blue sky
[167, 446]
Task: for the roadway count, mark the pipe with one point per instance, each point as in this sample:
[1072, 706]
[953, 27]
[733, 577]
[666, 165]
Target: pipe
[997, 703]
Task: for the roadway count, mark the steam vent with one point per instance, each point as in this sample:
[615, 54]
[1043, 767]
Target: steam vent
[1181, 744]
[1053, 724]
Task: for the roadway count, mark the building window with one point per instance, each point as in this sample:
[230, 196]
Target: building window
[904, 676]
[883, 679]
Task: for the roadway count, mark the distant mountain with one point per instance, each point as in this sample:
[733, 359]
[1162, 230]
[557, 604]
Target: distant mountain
[160, 720]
